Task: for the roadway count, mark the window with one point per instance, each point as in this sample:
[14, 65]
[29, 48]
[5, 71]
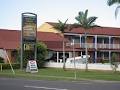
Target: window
[77, 39]
[82, 39]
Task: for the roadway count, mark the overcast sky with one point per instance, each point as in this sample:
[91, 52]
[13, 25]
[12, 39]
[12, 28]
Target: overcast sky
[52, 10]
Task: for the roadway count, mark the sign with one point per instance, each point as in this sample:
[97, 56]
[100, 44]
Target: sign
[29, 47]
[32, 66]
[29, 27]
[29, 36]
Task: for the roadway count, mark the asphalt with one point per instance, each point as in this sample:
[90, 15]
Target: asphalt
[24, 84]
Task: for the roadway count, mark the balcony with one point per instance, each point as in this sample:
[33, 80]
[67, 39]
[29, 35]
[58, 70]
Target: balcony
[102, 46]
[92, 45]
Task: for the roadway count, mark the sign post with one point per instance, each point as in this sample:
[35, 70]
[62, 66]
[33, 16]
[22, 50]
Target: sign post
[29, 36]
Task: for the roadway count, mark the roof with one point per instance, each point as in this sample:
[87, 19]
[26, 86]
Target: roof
[48, 36]
[93, 31]
[10, 39]
[97, 31]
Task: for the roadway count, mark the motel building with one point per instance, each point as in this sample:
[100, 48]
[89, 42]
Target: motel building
[101, 42]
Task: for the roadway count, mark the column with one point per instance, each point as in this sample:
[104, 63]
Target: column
[109, 56]
[70, 54]
[95, 57]
[57, 57]
[80, 41]
[81, 53]
[109, 42]
[95, 41]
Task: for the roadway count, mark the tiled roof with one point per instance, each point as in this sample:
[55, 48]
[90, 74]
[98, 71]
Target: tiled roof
[10, 39]
[48, 36]
[94, 31]
[98, 31]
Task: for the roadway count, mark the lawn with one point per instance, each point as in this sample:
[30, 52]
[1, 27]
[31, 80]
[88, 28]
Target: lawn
[60, 74]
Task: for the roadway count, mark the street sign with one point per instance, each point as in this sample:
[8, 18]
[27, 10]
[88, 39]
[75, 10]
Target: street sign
[32, 66]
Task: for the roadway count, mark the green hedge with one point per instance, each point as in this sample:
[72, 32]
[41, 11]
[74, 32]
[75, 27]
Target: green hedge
[1, 60]
[7, 66]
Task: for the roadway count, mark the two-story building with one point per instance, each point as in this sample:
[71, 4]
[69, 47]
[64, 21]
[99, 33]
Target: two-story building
[101, 41]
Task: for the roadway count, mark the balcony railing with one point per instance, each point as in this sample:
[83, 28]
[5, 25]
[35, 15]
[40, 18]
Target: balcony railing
[92, 45]
[103, 46]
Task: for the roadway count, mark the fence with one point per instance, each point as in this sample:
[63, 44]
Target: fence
[97, 66]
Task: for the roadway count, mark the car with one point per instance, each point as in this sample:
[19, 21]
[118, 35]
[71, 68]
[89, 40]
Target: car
[79, 59]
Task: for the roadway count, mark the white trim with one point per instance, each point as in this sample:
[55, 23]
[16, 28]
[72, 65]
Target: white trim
[89, 35]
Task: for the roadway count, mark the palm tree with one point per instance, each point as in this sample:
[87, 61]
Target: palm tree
[112, 2]
[87, 23]
[61, 27]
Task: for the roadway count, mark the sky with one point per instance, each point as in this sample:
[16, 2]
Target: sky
[54, 10]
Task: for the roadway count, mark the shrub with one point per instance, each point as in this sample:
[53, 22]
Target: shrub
[1, 60]
[29, 55]
[7, 66]
[41, 54]
[114, 63]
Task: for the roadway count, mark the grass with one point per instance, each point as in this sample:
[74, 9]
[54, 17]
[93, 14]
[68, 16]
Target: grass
[60, 74]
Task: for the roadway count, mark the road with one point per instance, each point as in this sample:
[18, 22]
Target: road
[23, 84]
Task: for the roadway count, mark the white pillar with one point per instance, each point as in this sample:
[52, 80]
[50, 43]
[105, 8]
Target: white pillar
[70, 54]
[95, 56]
[80, 40]
[81, 53]
[109, 42]
[95, 41]
[109, 56]
[57, 57]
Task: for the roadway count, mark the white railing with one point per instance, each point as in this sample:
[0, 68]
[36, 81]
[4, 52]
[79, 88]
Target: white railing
[115, 46]
[107, 46]
[103, 46]
[89, 45]
[96, 66]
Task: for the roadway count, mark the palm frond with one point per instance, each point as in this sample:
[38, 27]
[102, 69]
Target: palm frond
[85, 14]
[79, 19]
[90, 20]
[85, 21]
[65, 22]
[111, 2]
[60, 26]
[116, 11]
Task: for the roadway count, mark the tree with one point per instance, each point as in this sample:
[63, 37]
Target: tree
[85, 22]
[114, 63]
[112, 2]
[29, 54]
[61, 27]
[41, 54]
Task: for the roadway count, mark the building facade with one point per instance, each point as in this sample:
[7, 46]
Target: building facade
[102, 42]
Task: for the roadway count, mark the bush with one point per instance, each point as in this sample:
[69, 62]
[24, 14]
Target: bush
[7, 66]
[1, 60]
[41, 54]
[29, 55]
[114, 62]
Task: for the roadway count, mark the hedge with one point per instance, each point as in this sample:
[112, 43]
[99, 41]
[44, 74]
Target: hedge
[7, 66]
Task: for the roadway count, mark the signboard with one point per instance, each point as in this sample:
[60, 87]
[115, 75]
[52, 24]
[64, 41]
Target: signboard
[32, 66]
[29, 27]
[29, 36]
[29, 46]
